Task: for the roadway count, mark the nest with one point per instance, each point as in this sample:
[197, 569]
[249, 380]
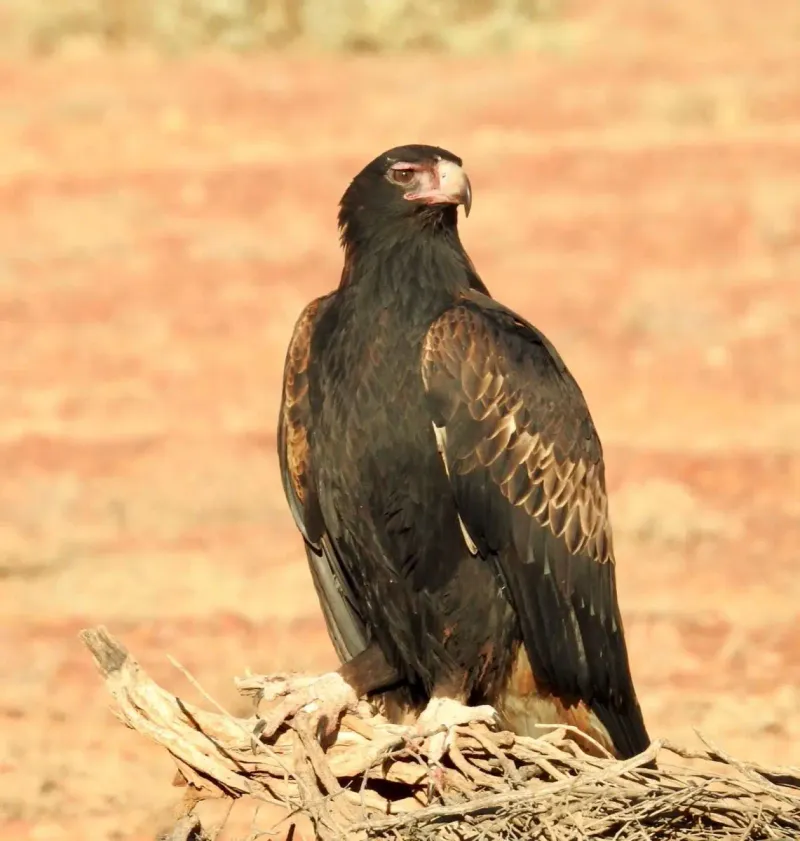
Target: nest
[373, 784]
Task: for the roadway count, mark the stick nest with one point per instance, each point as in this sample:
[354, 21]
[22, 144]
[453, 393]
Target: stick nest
[373, 784]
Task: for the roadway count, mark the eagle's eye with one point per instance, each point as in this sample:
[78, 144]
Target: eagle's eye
[402, 175]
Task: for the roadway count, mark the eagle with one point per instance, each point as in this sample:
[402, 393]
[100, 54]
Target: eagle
[444, 471]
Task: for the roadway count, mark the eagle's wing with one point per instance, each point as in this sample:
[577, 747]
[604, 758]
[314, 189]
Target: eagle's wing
[526, 467]
[346, 627]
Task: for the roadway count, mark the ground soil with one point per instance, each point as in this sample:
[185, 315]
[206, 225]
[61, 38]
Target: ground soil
[162, 223]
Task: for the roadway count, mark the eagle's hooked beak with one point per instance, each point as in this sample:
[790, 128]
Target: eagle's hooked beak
[454, 184]
[451, 186]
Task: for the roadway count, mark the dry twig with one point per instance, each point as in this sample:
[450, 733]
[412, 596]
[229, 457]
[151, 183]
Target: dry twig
[371, 786]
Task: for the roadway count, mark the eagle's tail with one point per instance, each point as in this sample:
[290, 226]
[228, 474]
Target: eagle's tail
[528, 709]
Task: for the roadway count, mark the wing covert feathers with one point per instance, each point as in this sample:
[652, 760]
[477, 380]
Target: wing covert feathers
[526, 467]
[346, 627]
[463, 357]
[294, 450]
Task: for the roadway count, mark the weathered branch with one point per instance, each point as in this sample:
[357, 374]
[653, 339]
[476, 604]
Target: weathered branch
[373, 784]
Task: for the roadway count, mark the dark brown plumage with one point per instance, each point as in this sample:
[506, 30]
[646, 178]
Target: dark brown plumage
[443, 468]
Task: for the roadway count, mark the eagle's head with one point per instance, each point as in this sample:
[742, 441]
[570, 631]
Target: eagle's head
[412, 186]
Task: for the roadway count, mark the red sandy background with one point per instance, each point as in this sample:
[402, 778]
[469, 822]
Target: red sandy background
[162, 223]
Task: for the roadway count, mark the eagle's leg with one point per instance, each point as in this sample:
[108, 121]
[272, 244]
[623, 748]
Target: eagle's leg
[323, 700]
[443, 714]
